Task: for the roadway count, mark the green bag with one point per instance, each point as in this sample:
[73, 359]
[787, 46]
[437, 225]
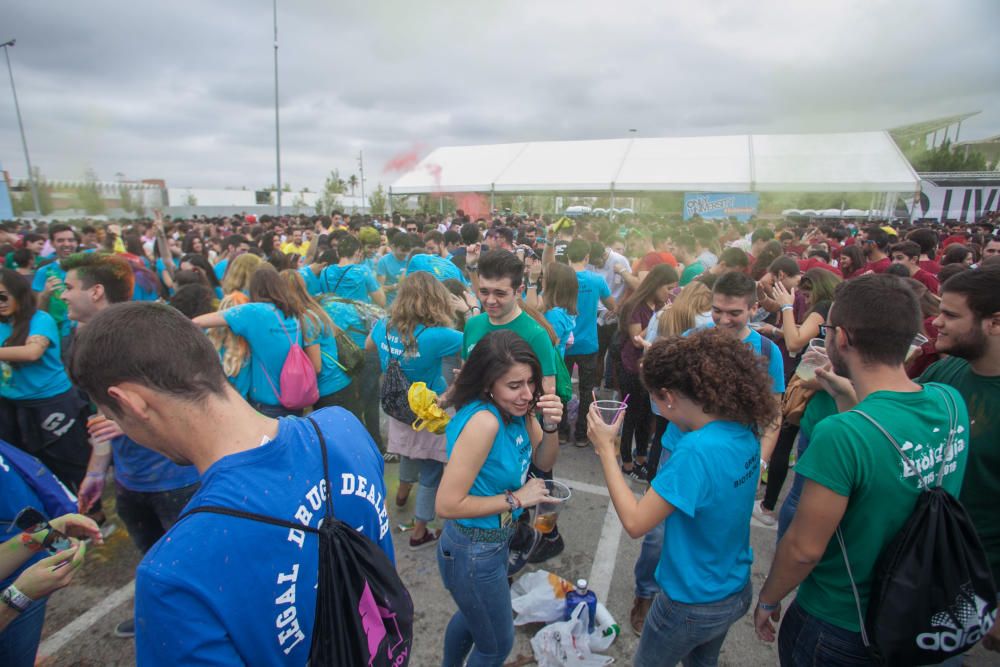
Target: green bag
[564, 381]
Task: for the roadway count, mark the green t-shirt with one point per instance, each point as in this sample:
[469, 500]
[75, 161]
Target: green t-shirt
[981, 488]
[820, 406]
[524, 326]
[852, 458]
[691, 272]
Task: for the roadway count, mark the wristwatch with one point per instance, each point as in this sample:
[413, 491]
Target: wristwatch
[15, 599]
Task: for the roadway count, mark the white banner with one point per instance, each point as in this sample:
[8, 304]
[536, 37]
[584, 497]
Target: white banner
[963, 203]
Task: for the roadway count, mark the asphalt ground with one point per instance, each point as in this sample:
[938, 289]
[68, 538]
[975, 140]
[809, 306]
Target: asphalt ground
[81, 619]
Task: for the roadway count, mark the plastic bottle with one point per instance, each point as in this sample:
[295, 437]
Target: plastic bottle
[582, 594]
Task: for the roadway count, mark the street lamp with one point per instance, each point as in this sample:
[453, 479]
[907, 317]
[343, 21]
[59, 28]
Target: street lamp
[20, 125]
[277, 128]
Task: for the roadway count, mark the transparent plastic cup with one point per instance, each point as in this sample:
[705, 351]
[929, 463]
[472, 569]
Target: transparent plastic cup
[815, 357]
[602, 394]
[610, 410]
[915, 346]
[546, 513]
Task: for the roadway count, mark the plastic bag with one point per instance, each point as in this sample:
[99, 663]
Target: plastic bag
[565, 644]
[539, 597]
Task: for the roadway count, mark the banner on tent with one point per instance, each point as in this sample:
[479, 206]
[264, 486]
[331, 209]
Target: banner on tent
[739, 205]
[962, 203]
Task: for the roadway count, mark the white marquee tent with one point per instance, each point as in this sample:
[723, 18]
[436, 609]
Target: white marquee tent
[843, 162]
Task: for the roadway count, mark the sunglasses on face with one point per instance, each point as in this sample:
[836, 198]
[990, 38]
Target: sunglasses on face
[4, 297]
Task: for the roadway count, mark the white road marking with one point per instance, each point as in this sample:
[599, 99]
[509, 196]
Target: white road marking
[68, 633]
[603, 567]
[586, 488]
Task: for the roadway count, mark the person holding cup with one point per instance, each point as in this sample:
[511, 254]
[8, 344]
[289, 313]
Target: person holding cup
[491, 441]
[718, 400]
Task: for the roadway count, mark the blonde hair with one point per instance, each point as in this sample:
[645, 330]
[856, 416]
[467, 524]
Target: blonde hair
[237, 350]
[678, 317]
[310, 308]
[421, 299]
[239, 272]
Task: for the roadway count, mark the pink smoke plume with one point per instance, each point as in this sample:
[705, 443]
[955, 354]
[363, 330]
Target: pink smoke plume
[404, 161]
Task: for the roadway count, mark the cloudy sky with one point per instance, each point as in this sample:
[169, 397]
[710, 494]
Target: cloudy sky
[183, 90]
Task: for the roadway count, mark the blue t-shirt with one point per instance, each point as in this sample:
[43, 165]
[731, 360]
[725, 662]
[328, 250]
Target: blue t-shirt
[591, 289]
[241, 381]
[505, 467]
[775, 366]
[313, 283]
[710, 478]
[563, 324]
[15, 495]
[392, 270]
[433, 344]
[353, 281]
[140, 293]
[258, 323]
[42, 275]
[44, 378]
[439, 267]
[347, 317]
[227, 591]
[331, 377]
[220, 268]
[140, 469]
[56, 307]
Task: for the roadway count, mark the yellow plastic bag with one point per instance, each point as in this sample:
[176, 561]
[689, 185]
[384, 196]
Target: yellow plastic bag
[423, 402]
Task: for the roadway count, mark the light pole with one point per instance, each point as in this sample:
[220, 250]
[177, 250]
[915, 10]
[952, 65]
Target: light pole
[361, 166]
[20, 125]
[277, 127]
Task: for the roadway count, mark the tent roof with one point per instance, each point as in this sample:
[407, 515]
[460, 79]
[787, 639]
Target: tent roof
[856, 161]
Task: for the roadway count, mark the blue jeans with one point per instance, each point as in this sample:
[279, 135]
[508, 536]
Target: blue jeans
[475, 573]
[689, 633]
[428, 473]
[805, 640]
[645, 565]
[787, 511]
[19, 640]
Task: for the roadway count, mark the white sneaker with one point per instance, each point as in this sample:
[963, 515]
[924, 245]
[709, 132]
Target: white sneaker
[766, 517]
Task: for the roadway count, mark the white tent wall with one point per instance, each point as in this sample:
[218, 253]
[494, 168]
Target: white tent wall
[841, 162]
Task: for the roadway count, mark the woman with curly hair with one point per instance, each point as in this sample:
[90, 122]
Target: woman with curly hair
[717, 396]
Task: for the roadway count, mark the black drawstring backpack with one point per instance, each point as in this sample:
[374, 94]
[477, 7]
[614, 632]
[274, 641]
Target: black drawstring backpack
[395, 390]
[933, 595]
[364, 614]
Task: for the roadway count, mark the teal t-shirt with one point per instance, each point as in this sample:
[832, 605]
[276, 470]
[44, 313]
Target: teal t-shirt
[710, 478]
[392, 269]
[505, 467]
[563, 324]
[423, 365]
[259, 324]
[352, 281]
[850, 456]
[44, 378]
[439, 267]
[591, 289]
[331, 377]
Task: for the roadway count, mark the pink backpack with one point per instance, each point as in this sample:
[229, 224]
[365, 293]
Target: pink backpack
[298, 383]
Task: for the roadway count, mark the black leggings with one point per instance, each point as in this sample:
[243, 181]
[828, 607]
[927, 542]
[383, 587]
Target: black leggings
[656, 447]
[638, 417]
[777, 469]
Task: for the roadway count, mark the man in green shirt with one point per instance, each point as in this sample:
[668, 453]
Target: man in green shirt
[969, 332]
[855, 478]
[498, 284]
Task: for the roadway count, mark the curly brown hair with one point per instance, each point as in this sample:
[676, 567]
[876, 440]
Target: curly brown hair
[721, 374]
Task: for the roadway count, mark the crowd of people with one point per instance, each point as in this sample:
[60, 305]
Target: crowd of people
[248, 363]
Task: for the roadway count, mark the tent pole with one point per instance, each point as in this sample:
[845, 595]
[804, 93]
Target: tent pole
[492, 198]
[612, 211]
[390, 200]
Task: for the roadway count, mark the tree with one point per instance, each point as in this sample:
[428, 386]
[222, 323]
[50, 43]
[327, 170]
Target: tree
[191, 200]
[89, 196]
[943, 158]
[352, 182]
[377, 201]
[330, 196]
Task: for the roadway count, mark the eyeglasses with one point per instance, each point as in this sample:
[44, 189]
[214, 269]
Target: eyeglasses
[4, 298]
[826, 329]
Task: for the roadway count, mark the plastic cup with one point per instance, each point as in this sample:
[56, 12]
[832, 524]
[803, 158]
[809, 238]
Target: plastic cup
[547, 513]
[915, 346]
[815, 357]
[602, 394]
[610, 410]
